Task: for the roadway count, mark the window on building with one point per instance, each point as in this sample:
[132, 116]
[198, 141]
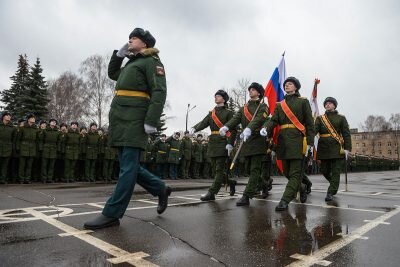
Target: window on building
[364, 136]
[390, 152]
[363, 144]
[373, 153]
[380, 152]
[357, 145]
[379, 144]
[395, 152]
[389, 144]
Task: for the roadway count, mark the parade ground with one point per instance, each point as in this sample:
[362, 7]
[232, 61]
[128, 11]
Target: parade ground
[42, 225]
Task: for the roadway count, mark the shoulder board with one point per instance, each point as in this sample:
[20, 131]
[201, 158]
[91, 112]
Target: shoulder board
[156, 57]
[302, 97]
[341, 115]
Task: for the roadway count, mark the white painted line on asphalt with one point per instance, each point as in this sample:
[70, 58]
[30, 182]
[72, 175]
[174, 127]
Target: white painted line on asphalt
[322, 206]
[331, 248]
[76, 233]
[386, 223]
[138, 256]
[147, 201]
[356, 236]
[377, 194]
[96, 242]
[188, 198]
[95, 205]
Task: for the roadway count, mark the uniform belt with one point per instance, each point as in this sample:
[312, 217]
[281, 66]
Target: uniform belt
[214, 132]
[132, 93]
[162, 152]
[325, 135]
[285, 126]
[174, 149]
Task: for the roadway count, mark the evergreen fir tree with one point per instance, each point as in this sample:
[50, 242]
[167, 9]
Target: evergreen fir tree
[20, 82]
[161, 125]
[35, 98]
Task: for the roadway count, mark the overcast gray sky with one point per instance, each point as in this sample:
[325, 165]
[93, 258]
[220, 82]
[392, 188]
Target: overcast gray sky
[352, 46]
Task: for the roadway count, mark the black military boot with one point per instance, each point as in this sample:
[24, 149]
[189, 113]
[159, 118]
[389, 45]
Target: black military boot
[243, 201]
[101, 222]
[163, 200]
[329, 197]
[207, 197]
[232, 188]
[283, 205]
[303, 193]
[269, 187]
[308, 188]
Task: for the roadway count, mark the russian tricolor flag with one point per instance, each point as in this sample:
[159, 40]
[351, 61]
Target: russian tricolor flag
[274, 92]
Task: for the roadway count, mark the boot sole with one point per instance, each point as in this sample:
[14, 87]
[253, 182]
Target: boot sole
[95, 227]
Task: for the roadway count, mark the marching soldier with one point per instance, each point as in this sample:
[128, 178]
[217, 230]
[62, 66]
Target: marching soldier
[161, 148]
[80, 169]
[72, 149]
[197, 156]
[91, 150]
[186, 149]
[174, 154]
[255, 147]
[219, 147]
[147, 156]
[206, 160]
[50, 142]
[295, 139]
[333, 145]
[100, 155]
[7, 140]
[135, 112]
[27, 146]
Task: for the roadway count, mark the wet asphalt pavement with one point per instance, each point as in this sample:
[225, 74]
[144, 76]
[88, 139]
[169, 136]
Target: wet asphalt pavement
[41, 225]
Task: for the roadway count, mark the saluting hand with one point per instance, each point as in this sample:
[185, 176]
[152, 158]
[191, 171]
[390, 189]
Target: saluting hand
[123, 52]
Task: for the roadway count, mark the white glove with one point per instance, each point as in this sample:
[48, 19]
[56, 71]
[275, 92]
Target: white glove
[246, 134]
[273, 154]
[309, 150]
[223, 130]
[229, 147]
[123, 52]
[346, 154]
[149, 129]
[192, 131]
[263, 132]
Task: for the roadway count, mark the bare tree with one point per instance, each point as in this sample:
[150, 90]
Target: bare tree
[238, 95]
[65, 95]
[376, 124]
[99, 88]
[395, 121]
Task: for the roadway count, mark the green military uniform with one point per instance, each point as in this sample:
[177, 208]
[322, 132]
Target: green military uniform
[8, 134]
[92, 151]
[217, 146]
[186, 149]
[174, 155]
[290, 140]
[254, 149]
[27, 147]
[147, 156]
[206, 161]
[197, 158]
[72, 151]
[49, 144]
[161, 151]
[329, 150]
[265, 181]
[109, 157]
[100, 158]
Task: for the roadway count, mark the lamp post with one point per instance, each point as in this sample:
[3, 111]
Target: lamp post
[187, 114]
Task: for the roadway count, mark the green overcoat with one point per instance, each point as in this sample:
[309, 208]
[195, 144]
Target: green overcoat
[27, 141]
[8, 135]
[143, 72]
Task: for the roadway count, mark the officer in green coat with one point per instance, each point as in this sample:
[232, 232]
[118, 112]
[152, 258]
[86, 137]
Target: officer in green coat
[100, 155]
[197, 156]
[50, 142]
[206, 160]
[147, 156]
[255, 145]
[135, 112]
[219, 147]
[186, 148]
[174, 154]
[8, 135]
[72, 150]
[334, 144]
[161, 148]
[91, 152]
[27, 147]
[295, 139]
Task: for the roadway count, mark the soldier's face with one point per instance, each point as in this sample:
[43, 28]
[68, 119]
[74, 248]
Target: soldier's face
[74, 126]
[52, 124]
[329, 106]
[162, 138]
[7, 118]
[135, 44]
[43, 126]
[254, 94]
[31, 121]
[219, 99]
[290, 88]
[63, 129]
[93, 128]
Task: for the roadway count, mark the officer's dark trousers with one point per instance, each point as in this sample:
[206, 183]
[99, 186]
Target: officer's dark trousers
[130, 173]
[25, 168]
[48, 169]
[330, 168]
[108, 168]
[218, 164]
[255, 174]
[292, 171]
[90, 165]
[69, 169]
[265, 174]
